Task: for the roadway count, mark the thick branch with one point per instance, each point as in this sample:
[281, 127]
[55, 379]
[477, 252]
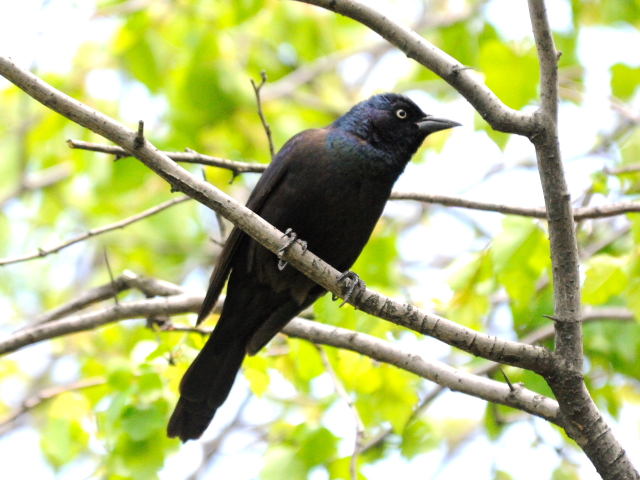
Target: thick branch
[496, 113]
[584, 422]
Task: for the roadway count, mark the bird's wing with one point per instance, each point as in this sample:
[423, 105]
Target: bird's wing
[269, 180]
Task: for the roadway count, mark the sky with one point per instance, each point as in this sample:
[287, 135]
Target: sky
[51, 36]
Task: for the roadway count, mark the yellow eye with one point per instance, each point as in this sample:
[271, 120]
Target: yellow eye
[401, 114]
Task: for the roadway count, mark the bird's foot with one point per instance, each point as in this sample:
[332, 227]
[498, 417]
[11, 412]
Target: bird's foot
[356, 282]
[293, 239]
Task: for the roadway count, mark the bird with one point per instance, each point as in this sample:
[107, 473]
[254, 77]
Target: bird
[327, 186]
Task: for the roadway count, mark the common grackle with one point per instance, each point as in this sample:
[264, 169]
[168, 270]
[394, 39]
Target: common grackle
[329, 185]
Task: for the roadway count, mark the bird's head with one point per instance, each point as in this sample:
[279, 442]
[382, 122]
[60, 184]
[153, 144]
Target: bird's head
[392, 123]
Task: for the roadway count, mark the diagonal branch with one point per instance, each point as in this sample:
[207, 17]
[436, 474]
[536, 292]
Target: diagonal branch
[45, 395]
[496, 113]
[42, 252]
[435, 371]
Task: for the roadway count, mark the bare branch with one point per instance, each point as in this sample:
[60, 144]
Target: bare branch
[267, 128]
[174, 305]
[490, 107]
[47, 394]
[183, 157]
[94, 232]
[582, 213]
[41, 179]
[585, 423]
[342, 393]
[634, 167]
[440, 373]
[151, 287]
[564, 249]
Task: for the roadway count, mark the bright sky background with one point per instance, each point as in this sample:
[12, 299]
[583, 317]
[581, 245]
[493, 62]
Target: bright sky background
[51, 36]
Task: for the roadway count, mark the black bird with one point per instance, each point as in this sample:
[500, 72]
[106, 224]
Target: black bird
[329, 185]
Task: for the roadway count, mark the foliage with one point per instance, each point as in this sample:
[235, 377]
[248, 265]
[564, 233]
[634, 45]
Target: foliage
[184, 67]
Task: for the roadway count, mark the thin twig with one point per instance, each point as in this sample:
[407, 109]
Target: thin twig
[582, 213]
[138, 141]
[267, 128]
[114, 287]
[189, 156]
[47, 394]
[38, 180]
[93, 232]
[342, 392]
[151, 287]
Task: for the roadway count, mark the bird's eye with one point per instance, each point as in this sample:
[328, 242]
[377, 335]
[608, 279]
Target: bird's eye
[401, 114]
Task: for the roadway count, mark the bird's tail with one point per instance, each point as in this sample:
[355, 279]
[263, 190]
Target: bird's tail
[205, 386]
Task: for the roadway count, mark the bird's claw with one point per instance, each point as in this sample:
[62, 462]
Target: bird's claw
[356, 281]
[293, 238]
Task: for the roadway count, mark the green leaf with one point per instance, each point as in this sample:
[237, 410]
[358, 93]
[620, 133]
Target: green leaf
[418, 437]
[319, 447]
[501, 139]
[499, 62]
[605, 278]
[470, 278]
[143, 422]
[62, 440]
[624, 80]
[282, 461]
[255, 371]
[520, 255]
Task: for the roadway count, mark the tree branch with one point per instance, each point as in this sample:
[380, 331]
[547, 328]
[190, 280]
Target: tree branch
[183, 157]
[263, 119]
[47, 394]
[94, 232]
[38, 180]
[490, 107]
[584, 422]
[174, 305]
[582, 213]
[437, 372]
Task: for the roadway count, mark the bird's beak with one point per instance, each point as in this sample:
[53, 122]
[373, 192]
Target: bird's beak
[432, 124]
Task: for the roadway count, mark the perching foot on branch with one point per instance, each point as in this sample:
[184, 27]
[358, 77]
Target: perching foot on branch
[356, 281]
[293, 238]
